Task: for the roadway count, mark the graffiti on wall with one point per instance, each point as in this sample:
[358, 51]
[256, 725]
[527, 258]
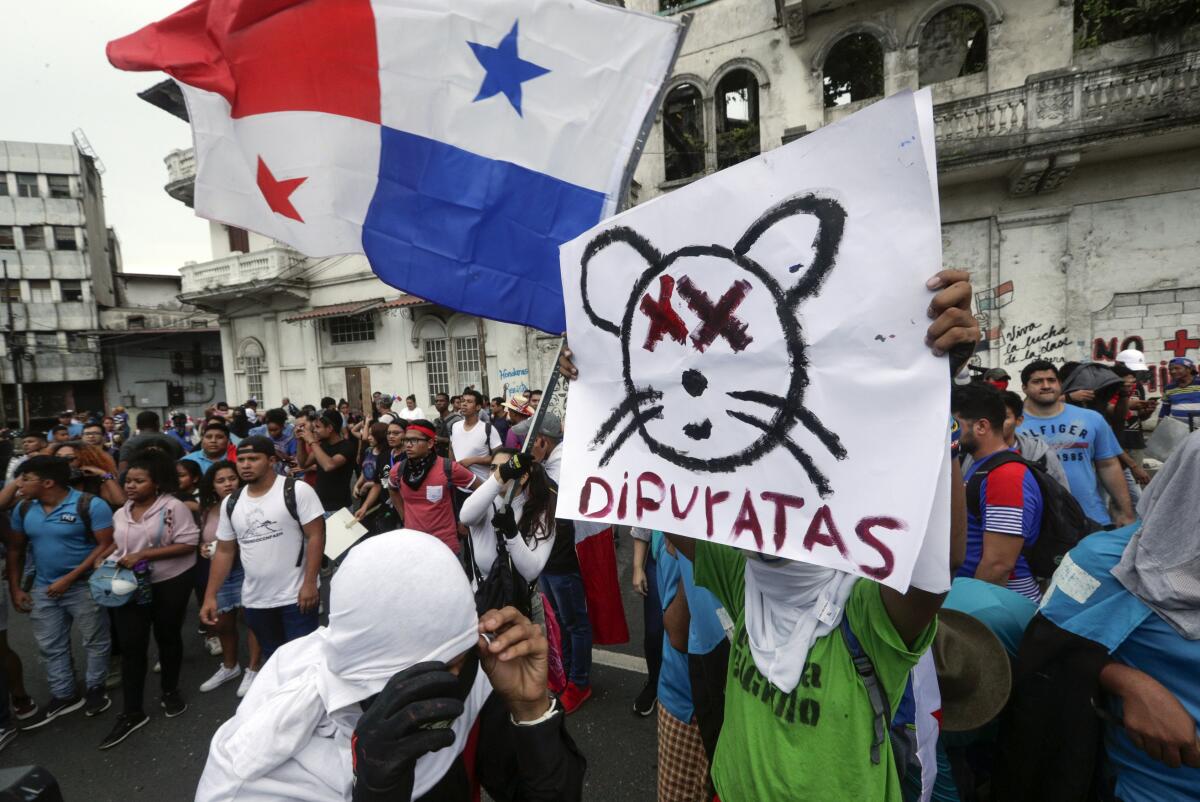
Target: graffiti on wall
[1024, 342]
[1105, 349]
[515, 380]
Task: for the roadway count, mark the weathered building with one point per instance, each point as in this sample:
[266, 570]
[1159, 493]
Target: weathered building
[58, 259]
[158, 353]
[1068, 145]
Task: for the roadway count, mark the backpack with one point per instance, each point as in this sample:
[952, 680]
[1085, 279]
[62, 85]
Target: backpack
[1064, 522]
[83, 508]
[901, 730]
[289, 501]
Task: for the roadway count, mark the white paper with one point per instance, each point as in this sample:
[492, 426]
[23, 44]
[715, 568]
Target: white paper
[797, 411]
[341, 532]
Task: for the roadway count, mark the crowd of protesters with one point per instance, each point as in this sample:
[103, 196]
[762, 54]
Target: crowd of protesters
[1060, 665]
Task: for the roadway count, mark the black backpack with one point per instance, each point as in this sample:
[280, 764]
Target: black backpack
[289, 501]
[1064, 522]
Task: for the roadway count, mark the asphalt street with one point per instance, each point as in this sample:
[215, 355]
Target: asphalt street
[163, 760]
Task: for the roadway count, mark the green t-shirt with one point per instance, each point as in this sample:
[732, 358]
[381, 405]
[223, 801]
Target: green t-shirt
[813, 744]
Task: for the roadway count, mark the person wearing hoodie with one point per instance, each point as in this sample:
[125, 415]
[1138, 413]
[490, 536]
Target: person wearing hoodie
[379, 706]
[157, 534]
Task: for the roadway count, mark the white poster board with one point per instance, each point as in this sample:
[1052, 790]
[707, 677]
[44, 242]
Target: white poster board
[752, 360]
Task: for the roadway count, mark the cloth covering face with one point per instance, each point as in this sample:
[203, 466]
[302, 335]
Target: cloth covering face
[788, 606]
[1161, 564]
[399, 598]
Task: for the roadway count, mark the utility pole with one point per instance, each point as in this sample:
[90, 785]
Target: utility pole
[16, 352]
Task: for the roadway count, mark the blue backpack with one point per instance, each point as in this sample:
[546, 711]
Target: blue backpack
[901, 729]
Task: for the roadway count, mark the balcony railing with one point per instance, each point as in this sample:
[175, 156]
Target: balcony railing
[181, 175]
[239, 268]
[1082, 106]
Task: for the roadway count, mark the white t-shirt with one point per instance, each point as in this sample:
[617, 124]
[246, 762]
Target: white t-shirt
[474, 443]
[416, 413]
[270, 540]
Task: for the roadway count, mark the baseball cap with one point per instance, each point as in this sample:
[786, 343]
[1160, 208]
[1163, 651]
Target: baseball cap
[1133, 359]
[551, 426]
[1184, 361]
[996, 374]
[385, 398]
[256, 444]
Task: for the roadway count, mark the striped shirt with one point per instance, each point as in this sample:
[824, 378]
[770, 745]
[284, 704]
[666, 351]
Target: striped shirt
[1181, 402]
[1010, 503]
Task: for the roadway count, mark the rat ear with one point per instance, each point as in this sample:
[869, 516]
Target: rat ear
[804, 228]
[604, 254]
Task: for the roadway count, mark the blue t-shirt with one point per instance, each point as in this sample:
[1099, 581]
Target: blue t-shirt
[1001, 610]
[1010, 503]
[674, 686]
[58, 539]
[204, 462]
[1079, 437]
[1086, 599]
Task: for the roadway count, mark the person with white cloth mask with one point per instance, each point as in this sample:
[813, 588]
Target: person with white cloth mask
[799, 720]
[378, 706]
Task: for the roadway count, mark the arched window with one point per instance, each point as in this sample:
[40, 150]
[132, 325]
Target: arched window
[954, 43]
[853, 70]
[683, 132]
[252, 359]
[737, 118]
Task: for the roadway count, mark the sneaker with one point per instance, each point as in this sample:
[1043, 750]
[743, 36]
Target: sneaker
[126, 724]
[574, 696]
[96, 701]
[113, 680]
[173, 704]
[158, 666]
[222, 676]
[213, 644]
[7, 736]
[54, 709]
[24, 709]
[643, 705]
[247, 681]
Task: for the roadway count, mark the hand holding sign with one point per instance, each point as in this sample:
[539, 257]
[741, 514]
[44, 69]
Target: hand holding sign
[756, 374]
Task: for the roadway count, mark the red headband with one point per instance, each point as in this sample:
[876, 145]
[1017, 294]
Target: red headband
[427, 432]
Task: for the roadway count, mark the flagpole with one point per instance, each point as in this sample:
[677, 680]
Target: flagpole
[644, 133]
[635, 156]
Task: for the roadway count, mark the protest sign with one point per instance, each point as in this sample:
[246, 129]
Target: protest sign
[751, 353]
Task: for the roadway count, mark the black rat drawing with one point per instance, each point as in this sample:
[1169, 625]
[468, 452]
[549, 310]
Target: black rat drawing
[709, 283]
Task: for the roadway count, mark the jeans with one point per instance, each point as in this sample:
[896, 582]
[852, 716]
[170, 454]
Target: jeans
[51, 620]
[275, 626]
[570, 605]
[164, 616]
[652, 619]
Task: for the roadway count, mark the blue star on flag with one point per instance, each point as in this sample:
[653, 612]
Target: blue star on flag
[506, 71]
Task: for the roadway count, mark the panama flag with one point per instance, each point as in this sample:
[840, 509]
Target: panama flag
[457, 143]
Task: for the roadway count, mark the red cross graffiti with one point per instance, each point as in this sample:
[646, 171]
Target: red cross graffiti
[717, 320]
[1181, 344]
[663, 319]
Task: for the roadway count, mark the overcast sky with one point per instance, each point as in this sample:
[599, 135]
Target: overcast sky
[54, 78]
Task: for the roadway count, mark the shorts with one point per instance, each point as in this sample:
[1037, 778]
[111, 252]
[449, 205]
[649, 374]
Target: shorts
[229, 595]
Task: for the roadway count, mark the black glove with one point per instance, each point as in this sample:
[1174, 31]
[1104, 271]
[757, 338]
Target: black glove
[505, 523]
[396, 730]
[516, 467]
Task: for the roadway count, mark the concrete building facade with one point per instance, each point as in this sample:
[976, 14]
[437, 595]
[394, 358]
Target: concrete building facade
[1068, 152]
[58, 259]
[158, 353]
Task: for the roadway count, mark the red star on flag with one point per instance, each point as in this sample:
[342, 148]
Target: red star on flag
[278, 193]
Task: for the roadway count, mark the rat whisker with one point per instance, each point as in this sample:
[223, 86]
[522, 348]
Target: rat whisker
[630, 404]
[638, 419]
[819, 480]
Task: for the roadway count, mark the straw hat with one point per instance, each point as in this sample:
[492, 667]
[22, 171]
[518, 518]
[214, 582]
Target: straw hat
[973, 671]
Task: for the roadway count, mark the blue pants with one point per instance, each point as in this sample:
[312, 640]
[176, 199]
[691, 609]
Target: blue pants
[566, 593]
[652, 620]
[52, 620]
[275, 626]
